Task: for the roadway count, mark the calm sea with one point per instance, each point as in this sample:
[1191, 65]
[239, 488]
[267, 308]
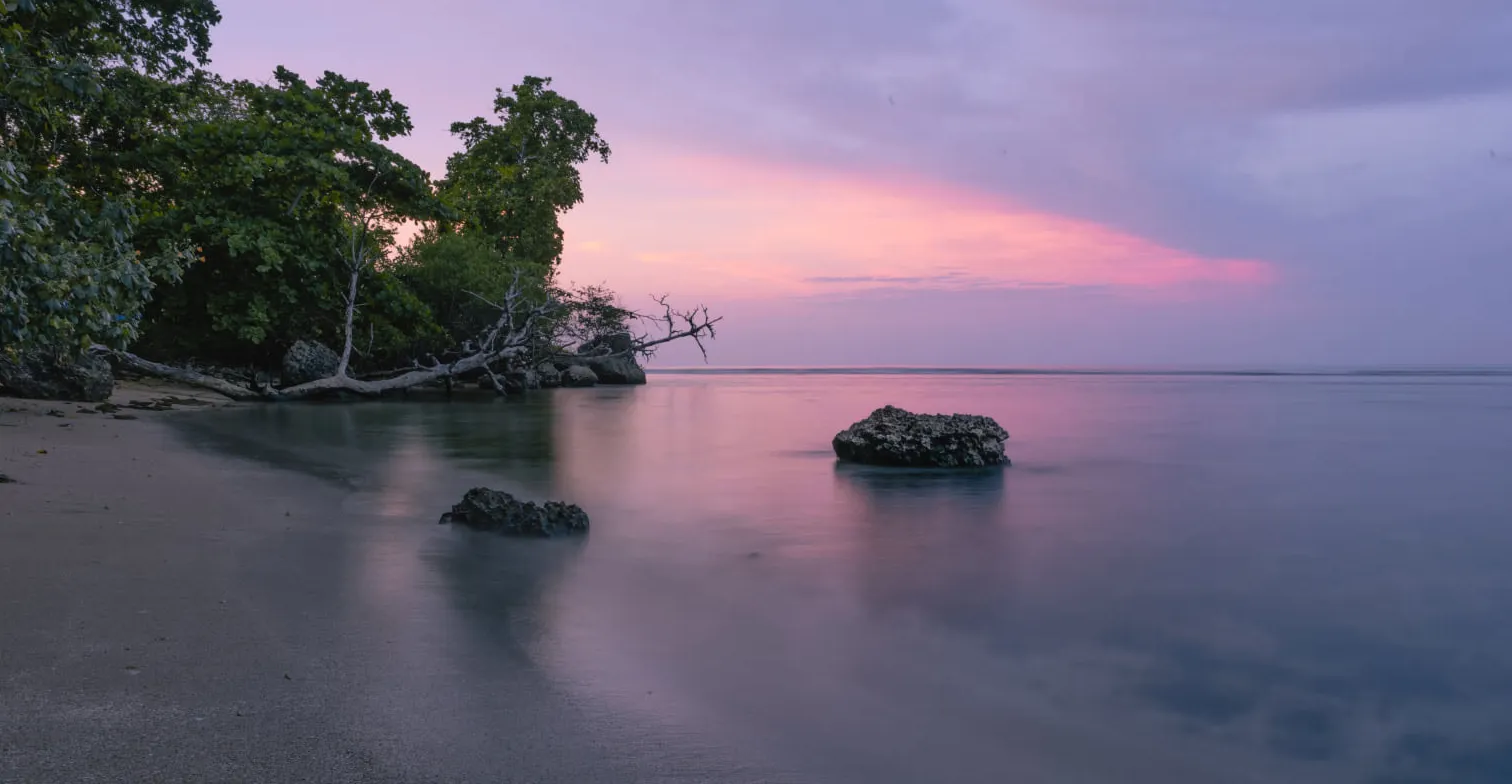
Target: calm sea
[1182, 578]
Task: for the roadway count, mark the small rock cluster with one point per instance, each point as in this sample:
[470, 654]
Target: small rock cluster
[891, 436]
[498, 512]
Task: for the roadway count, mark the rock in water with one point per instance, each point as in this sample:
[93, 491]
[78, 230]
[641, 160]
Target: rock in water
[618, 369]
[42, 376]
[578, 376]
[894, 437]
[499, 512]
[307, 361]
[515, 381]
[611, 359]
[549, 375]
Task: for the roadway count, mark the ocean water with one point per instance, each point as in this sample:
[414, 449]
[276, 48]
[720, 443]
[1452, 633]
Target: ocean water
[1182, 577]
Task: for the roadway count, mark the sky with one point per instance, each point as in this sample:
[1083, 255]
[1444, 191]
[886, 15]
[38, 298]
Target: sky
[993, 183]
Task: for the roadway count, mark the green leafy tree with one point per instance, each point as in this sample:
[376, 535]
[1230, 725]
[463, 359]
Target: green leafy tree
[82, 84]
[514, 178]
[457, 277]
[69, 276]
[268, 184]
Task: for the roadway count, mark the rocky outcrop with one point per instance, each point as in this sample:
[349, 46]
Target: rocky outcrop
[893, 437]
[617, 369]
[498, 512]
[549, 375]
[578, 376]
[517, 381]
[42, 376]
[308, 360]
[611, 359]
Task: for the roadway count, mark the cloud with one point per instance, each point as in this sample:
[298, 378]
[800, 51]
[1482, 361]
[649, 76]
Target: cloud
[1326, 156]
[758, 228]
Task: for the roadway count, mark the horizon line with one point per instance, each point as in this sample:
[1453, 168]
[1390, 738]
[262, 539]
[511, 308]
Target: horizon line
[1147, 370]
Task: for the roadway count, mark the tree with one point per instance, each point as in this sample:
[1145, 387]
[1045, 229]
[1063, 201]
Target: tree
[269, 183]
[513, 179]
[69, 277]
[81, 83]
[454, 275]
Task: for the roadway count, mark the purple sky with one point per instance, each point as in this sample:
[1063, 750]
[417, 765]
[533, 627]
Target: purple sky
[998, 182]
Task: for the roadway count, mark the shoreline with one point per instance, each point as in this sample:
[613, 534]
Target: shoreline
[172, 614]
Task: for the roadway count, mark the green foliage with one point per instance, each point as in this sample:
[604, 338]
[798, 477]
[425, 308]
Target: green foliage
[395, 325]
[588, 312]
[82, 83]
[452, 275]
[514, 178]
[267, 183]
[69, 276]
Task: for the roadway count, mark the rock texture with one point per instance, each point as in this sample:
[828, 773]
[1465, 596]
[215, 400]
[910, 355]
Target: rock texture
[578, 376]
[610, 359]
[515, 381]
[893, 437]
[549, 375]
[618, 369]
[40, 376]
[307, 361]
[499, 512]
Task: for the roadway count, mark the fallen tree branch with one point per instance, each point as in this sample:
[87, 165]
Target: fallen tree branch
[181, 375]
[514, 336]
[312, 389]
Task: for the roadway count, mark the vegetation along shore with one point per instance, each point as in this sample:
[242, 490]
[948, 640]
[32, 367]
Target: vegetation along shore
[261, 239]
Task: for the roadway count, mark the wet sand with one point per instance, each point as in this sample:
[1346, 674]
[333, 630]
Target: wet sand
[168, 615]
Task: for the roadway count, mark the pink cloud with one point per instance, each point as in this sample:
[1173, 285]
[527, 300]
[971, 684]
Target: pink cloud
[720, 226]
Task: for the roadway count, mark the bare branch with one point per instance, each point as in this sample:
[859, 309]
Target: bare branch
[696, 324]
[358, 259]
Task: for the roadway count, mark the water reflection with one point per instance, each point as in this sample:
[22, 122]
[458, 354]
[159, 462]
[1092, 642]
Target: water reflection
[931, 543]
[1176, 582]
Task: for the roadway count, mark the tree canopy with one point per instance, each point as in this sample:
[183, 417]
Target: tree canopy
[266, 183]
[513, 179]
[82, 84]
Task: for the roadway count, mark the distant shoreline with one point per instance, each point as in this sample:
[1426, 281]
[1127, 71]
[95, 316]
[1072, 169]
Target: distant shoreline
[1446, 372]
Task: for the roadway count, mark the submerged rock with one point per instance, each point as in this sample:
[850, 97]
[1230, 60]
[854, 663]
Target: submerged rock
[308, 360]
[499, 512]
[42, 376]
[891, 436]
[578, 376]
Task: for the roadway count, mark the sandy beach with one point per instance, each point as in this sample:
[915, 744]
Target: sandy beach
[169, 615]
